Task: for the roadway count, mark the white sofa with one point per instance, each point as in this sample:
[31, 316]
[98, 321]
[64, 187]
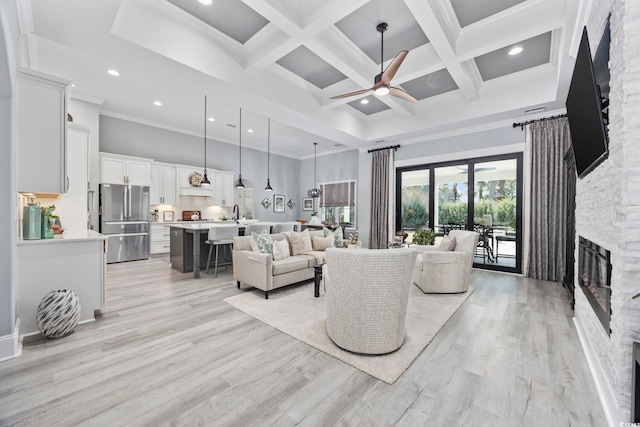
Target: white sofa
[262, 272]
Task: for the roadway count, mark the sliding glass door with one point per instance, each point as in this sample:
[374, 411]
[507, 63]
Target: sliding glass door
[481, 194]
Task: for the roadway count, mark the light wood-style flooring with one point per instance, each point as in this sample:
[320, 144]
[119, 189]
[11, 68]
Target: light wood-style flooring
[167, 350]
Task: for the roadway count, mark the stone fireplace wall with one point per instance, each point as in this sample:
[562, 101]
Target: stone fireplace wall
[608, 204]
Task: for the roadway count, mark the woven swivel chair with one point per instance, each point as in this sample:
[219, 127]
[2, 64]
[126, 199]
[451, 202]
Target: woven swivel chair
[367, 292]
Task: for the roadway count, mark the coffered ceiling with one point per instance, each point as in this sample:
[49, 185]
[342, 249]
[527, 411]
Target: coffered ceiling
[284, 59]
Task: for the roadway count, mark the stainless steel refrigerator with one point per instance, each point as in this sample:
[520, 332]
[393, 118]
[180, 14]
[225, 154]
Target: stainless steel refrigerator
[124, 218]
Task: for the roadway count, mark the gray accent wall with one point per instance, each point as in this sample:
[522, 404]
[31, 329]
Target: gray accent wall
[119, 136]
[289, 177]
[461, 143]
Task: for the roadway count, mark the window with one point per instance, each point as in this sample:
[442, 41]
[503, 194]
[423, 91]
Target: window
[338, 202]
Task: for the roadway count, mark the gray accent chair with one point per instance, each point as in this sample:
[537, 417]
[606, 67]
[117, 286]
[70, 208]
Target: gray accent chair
[438, 271]
[367, 292]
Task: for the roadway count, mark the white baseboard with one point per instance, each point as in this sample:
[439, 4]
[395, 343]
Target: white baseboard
[10, 345]
[608, 401]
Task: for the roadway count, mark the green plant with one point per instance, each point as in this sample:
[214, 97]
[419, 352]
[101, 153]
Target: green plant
[424, 236]
[414, 214]
[47, 212]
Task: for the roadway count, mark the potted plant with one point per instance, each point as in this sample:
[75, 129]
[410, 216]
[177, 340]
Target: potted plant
[424, 236]
[48, 220]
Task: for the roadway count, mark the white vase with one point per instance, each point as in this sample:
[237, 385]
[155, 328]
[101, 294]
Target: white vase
[315, 220]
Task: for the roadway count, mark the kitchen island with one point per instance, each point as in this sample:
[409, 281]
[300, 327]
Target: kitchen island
[73, 260]
[187, 243]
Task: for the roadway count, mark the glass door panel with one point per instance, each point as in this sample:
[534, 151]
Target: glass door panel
[414, 201]
[451, 197]
[494, 212]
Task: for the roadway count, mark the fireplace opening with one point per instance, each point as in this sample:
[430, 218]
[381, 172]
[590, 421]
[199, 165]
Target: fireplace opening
[594, 277]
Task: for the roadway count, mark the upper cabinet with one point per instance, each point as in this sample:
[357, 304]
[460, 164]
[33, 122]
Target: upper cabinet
[222, 188]
[163, 184]
[116, 169]
[41, 151]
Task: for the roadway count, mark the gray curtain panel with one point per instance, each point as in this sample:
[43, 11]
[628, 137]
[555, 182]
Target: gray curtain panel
[379, 220]
[550, 140]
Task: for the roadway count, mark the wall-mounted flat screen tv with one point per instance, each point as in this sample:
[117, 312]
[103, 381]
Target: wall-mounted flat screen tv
[586, 107]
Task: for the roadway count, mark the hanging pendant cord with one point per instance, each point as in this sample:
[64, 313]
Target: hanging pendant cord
[240, 143]
[268, 149]
[205, 134]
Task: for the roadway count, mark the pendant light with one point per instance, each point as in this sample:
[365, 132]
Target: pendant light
[314, 192]
[205, 179]
[240, 184]
[268, 187]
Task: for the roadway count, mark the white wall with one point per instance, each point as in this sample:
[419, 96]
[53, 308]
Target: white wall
[608, 209]
[9, 42]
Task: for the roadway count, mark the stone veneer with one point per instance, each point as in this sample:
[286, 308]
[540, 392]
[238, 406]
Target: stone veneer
[608, 201]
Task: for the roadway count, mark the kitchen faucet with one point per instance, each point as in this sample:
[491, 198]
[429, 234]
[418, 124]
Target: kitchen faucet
[236, 212]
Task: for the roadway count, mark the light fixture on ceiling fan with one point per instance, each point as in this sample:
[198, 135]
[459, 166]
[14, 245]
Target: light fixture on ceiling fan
[205, 179]
[382, 82]
[268, 187]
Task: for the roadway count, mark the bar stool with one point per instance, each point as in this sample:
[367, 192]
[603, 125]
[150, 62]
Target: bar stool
[257, 228]
[220, 236]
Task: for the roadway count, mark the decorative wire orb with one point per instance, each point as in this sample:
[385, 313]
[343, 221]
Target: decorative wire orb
[314, 193]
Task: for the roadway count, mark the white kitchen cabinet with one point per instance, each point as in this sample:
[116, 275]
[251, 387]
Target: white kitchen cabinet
[160, 237]
[223, 188]
[72, 207]
[74, 260]
[41, 149]
[116, 169]
[163, 184]
[184, 186]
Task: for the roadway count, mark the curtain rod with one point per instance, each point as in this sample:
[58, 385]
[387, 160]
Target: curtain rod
[523, 124]
[395, 147]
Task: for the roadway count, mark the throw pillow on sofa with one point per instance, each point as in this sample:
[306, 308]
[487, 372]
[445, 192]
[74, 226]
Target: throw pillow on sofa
[280, 250]
[337, 236]
[321, 243]
[300, 242]
[263, 242]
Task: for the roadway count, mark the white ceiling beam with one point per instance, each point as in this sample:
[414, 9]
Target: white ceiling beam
[268, 46]
[286, 31]
[523, 21]
[442, 33]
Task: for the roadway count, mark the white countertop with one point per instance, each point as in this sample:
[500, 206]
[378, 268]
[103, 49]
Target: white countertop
[67, 236]
[202, 225]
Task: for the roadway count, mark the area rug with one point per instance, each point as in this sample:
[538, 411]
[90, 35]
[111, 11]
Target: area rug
[294, 311]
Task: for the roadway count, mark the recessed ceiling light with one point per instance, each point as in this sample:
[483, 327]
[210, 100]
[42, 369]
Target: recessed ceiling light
[206, 2]
[250, 130]
[157, 103]
[515, 50]
[113, 72]
[364, 101]
[211, 119]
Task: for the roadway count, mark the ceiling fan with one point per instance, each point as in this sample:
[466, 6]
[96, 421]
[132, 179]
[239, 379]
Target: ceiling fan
[382, 82]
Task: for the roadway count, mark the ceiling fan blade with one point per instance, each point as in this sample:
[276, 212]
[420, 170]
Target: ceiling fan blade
[393, 67]
[346, 95]
[400, 93]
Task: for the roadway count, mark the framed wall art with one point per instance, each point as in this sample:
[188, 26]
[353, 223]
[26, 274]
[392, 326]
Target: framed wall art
[278, 203]
[307, 204]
